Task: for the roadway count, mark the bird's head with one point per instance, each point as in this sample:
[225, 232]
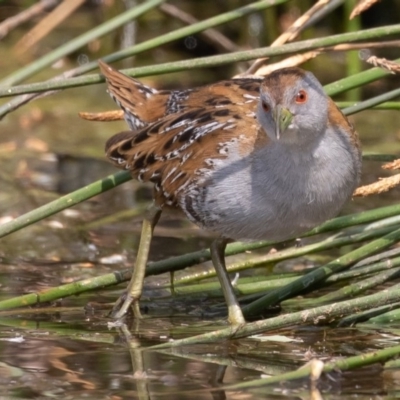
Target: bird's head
[293, 107]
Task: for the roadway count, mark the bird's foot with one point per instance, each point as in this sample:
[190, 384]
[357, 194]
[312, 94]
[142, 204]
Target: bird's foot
[123, 304]
[235, 315]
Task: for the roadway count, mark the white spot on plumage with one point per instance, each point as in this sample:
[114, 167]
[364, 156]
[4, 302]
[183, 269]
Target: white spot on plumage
[177, 176]
[168, 175]
[155, 175]
[185, 157]
[176, 125]
[183, 186]
[249, 96]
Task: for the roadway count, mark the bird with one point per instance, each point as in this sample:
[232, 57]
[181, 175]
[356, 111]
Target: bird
[143, 104]
[248, 159]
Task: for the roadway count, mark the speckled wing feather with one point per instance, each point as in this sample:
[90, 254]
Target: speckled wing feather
[143, 105]
[159, 152]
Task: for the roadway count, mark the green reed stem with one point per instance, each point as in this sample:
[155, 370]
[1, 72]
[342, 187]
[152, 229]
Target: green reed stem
[138, 48]
[177, 66]
[75, 44]
[153, 268]
[67, 201]
[323, 314]
[371, 315]
[343, 364]
[353, 62]
[372, 102]
[320, 274]
[359, 234]
[345, 292]
[388, 105]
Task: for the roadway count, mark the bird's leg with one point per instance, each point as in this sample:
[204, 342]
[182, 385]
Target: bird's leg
[135, 286]
[235, 315]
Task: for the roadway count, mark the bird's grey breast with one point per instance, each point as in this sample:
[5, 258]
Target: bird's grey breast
[275, 193]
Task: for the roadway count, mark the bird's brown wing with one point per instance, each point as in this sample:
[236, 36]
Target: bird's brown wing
[143, 105]
[172, 152]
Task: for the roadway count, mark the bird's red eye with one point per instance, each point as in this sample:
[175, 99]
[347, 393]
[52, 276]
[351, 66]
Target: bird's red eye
[301, 97]
[265, 106]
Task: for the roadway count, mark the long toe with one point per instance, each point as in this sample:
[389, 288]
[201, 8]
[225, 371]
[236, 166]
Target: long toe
[121, 306]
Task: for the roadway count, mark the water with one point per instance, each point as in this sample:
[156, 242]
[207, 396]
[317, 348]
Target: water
[70, 354]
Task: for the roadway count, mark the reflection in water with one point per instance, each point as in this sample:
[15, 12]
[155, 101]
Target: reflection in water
[69, 358]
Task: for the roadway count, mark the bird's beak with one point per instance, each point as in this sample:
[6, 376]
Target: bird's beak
[283, 117]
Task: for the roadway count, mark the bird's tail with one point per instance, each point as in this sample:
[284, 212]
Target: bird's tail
[130, 94]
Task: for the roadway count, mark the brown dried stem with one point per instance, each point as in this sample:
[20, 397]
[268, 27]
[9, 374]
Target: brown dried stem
[302, 58]
[291, 33]
[380, 62]
[46, 25]
[105, 116]
[32, 12]
[392, 165]
[381, 186]
[362, 6]
[211, 35]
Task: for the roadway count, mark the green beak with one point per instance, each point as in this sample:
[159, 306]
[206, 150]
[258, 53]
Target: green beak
[283, 117]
